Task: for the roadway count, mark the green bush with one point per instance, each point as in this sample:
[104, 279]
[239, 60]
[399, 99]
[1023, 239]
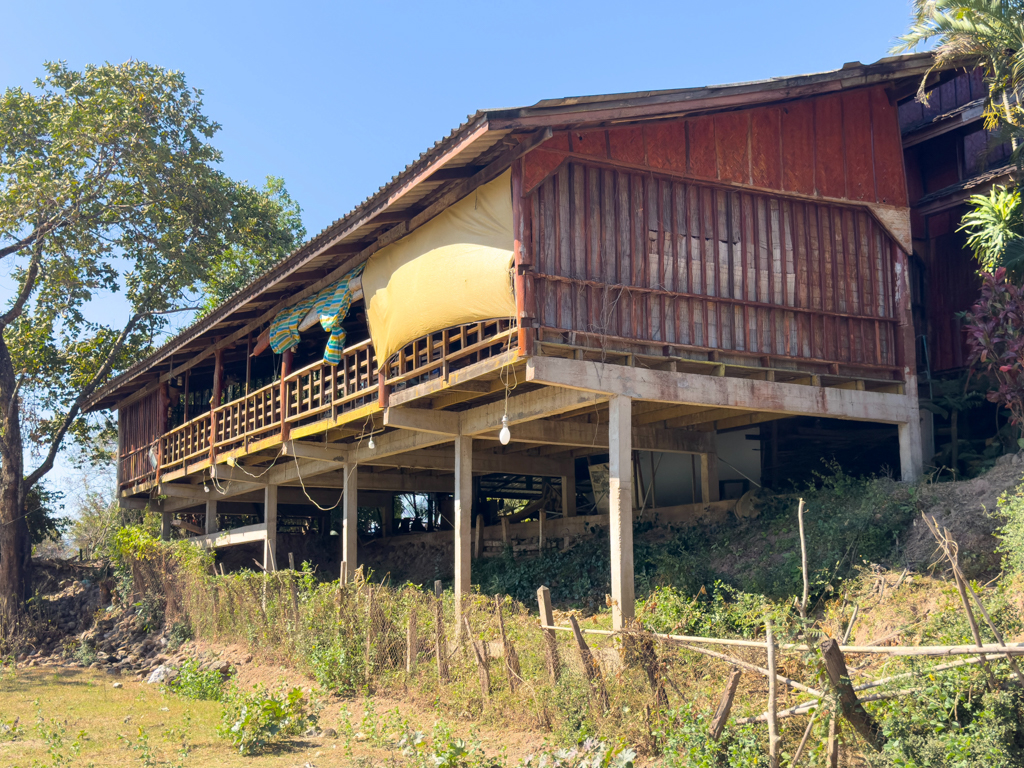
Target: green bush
[1011, 535]
[252, 720]
[685, 742]
[181, 632]
[337, 663]
[195, 683]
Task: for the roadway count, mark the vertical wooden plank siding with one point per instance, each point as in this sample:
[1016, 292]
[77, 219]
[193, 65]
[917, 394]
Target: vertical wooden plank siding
[631, 256]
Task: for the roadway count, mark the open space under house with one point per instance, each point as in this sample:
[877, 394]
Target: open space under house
[632, 285]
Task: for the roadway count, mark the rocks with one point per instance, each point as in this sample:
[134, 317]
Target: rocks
[162, 674]
[113, 671]
[118, 685]
[329, 733]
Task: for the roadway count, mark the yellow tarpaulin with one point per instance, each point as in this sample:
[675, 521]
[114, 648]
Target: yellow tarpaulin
[455, 269]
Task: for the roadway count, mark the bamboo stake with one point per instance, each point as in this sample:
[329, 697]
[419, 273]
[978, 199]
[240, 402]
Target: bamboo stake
[832, 748]
[485, 675]
[807, 706]
[774, 740]
[998, 635]
[411, 642]
[796, 685]
[508, 651]
[440, 645]
[803, 560]
[590, 667]
[949, 549]
[1011, 649]
[724, 706]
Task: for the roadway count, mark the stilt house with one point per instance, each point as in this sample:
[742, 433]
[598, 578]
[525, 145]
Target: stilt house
[643, 274]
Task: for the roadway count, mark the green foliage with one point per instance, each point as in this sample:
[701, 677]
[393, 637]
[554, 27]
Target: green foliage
[1011, 534]
[995, 230]
[180, 633]
[61, 748]
[259, 246]
[685, 742]
[252, 720]
[43, 514]
[198, 684]
[955, 723]
[11, 730]
[337, 663]
[590, 753]
[976, 33]
[141, 747]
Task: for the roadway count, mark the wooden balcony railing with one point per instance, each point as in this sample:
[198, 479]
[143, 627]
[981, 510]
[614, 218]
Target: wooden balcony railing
[438, 354]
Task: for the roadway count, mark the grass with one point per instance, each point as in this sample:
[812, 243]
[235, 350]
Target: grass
[78, 701]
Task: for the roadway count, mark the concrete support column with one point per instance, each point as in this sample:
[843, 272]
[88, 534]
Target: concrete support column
[350, 518]
[911, 459]
[270, 518]
[620, 507]
[165, 525]
[211, 516]
[463, 519]
[569, 493]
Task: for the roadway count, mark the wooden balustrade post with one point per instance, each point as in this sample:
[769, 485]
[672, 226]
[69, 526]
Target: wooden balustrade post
[286, 371]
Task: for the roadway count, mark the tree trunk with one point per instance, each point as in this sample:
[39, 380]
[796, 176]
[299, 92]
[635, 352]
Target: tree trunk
[14, 542]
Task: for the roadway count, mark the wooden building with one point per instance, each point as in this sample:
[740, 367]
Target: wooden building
[599, 275]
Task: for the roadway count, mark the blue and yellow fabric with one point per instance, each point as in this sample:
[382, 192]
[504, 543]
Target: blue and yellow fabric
[331, 306]
[284, 331]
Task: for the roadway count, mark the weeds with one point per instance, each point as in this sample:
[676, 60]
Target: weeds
[61, 749]
[141, 747]
[252, 720]
[192, 682]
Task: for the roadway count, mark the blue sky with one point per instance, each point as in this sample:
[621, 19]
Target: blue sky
[338, 97]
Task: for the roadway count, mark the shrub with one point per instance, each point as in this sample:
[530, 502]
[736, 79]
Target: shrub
[195, 683]
[1011, 535]
[181, 632]
[252, 720]
[995, 336]
[685, 742]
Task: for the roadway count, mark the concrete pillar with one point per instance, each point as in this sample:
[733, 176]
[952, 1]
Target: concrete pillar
[211, 516]
[350, 518]
[709, 476]
[620, 508]
[270, 518]
[911, 459]
[165, 525]
[463, 519]
[569, 494]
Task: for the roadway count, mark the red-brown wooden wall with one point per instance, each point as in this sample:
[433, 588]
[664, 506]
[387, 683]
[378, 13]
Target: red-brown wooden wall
[839, 146]
[630, 256]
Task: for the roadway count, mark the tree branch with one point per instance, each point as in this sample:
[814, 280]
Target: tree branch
[86, 393]
[26, 290]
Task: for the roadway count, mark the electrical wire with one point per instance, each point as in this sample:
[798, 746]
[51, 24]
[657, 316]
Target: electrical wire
[341, 498]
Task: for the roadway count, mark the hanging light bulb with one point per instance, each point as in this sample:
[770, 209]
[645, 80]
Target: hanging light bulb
[504, 436]
[206, 488]
[371, 443]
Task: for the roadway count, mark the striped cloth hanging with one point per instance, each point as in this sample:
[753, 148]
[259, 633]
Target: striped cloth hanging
[334, 301]
[284, 331]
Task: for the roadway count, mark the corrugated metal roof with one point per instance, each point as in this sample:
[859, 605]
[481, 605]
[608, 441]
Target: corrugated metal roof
[495, 124]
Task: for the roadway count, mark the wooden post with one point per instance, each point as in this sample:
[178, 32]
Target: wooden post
[383, 390]
[853, 710]
[569, 495]
[547, 619]
[270, 518]
[343, 574]
[504, 531]
[286, 371]
[385, 521]
[832, 747]
[540, 528]
[774, 740]
[463, 520]
[218, 386]
[478, 539]
[411, 641]
[508, 651]
[724, 706]
[350, 519]
[620, 507]
[590, 667]
[211, 516]
[481, 662]
[708, 477]
[162, 404]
